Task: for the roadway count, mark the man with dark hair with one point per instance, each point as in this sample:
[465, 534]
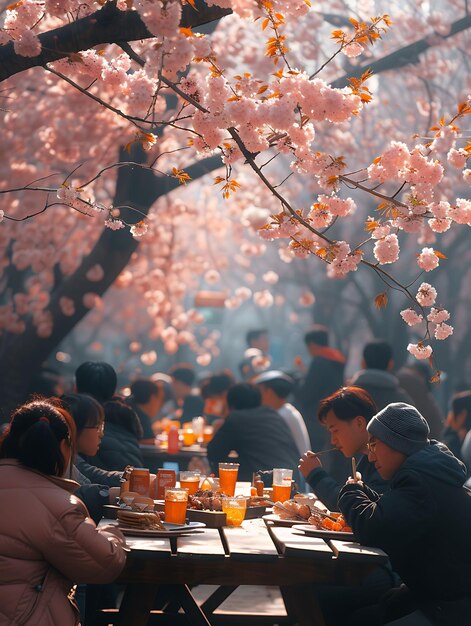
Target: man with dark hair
[96, 378]
[344, 415]
[324, 376]
[189, 404]
[257, 433]
[376, 375]
[275, 387]
[146, 399]
[258, 338]
[214, 392]
[255, 359]
[458, 424]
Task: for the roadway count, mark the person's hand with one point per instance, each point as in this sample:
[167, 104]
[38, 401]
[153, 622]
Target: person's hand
[357, 481]
[308, 462]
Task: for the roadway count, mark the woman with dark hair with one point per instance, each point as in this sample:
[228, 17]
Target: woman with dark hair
[120, 443]
[47, 541]
[97, 486]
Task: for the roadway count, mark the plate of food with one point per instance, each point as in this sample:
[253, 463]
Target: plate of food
[313, 531]
[274, 519]
[150, 525]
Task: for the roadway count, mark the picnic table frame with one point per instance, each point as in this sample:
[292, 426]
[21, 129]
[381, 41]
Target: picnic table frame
[160, 573]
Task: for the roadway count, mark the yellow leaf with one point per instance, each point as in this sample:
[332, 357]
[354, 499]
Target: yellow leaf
[381, 300]
[262, 89]
[369, 226]
[440, 255]
[265, 23]
[187, 32]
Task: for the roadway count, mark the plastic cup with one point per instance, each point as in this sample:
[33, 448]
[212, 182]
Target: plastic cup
[176, 500]
[234, 508]
[189, 437]
[190, 480]
[282, 479]
[208, 433]
[228, 477]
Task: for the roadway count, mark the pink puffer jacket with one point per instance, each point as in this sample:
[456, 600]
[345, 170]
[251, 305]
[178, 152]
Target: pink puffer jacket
[47, 544]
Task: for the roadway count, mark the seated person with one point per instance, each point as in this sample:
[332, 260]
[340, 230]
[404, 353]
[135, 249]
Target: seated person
[214, 390]
[422, 521]
[119, 446]
[97, 379]
[458, 424]
[146, 400]
[258, 434]
[345, 415]
[97, 486]
[189, 403]
[275, 387]
[47, 541]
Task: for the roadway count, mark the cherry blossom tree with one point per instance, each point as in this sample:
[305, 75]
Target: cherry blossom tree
[289, 122]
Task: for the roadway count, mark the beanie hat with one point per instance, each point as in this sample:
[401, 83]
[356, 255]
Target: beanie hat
[400, 426]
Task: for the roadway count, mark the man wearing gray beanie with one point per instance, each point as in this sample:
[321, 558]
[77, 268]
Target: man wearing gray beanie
[423, 521]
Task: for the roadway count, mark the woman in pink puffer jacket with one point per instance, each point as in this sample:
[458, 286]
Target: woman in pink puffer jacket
[47, 541]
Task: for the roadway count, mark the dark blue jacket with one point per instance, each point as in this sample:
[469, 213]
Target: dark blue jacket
[327, 489]
[423, 522]
[118, 448]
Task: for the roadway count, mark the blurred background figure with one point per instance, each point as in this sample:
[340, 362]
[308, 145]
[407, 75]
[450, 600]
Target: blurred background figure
[146, 400]
[189, 403]
[376, 375]
[214, 390]
[414, 378]
[458, 425]
[97, 379]
[275, 387]
[324, 376]
[256, 357]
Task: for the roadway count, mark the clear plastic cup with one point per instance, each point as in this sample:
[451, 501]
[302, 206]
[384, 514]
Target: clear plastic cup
[235, 509]
[176, 500]
[282, 479]
[190, 480]
[228, 473]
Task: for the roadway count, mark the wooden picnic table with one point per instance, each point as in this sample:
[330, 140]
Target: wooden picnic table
[155, 456]
[160, 572]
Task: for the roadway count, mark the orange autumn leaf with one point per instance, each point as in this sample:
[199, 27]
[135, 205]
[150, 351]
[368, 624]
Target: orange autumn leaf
[381, 300]
[181, 175]
[440, 255]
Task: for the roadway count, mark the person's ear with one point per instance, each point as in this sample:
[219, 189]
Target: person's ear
[390, 365]
[460, 419]
[360, 421]
[363, 364]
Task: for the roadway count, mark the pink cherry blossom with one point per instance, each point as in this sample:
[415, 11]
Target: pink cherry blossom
[420, 351]
[427, 259]
[411, 317]
[95, 273]
[437, 316]
[263, 299]
[271, 278]
[426, 295]
[149, 358]
[443, 331]
[387, 250]
[306, 299]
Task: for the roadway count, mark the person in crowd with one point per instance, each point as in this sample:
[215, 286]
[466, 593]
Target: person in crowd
[189, 403]
[214, 390]
[146, 400]
[258, 434]
[97, 486]
[422, 522]
[47, 382]
[97, 379]
[275, 387]
[119, 446]
[414, 378]
[345, 415]
[47, 541]
[376, 375]
[324, 376]
[256, 358]
[458, 425]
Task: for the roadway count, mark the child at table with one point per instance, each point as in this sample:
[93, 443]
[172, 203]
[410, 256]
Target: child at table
[423, 521]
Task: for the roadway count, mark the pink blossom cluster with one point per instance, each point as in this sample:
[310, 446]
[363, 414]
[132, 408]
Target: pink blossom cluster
[386, 250]
[344, 262]
[411, 317]
[420, 351]
[426, 295]
[427, 259]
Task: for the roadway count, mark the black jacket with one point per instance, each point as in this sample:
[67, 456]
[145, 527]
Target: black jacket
[423, 522]
[327, 489]
[324, 376]
[118, 448]
[261, 438]
[383, 387]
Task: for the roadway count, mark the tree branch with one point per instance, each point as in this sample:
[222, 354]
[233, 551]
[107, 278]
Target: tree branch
[108, 25]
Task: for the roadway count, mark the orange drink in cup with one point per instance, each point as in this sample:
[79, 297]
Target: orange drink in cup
[176, 500]
[190, 480]
[189, 437]
[208, 432]
[228, 477]
[234, 508]
[282, 479]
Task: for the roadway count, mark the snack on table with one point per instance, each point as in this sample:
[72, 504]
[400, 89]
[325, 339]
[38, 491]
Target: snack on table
[136, 502]
[327, 523]
[291, 510]
[141, 521]
[206, 500]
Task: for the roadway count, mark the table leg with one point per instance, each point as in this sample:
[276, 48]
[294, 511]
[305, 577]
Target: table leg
[196, 617]
[302, 604]
[216, 599]
[137, 604]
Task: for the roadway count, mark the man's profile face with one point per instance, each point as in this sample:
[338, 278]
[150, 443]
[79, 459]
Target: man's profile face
[349, 437]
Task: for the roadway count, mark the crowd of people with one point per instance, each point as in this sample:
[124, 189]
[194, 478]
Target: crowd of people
[408, 497]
